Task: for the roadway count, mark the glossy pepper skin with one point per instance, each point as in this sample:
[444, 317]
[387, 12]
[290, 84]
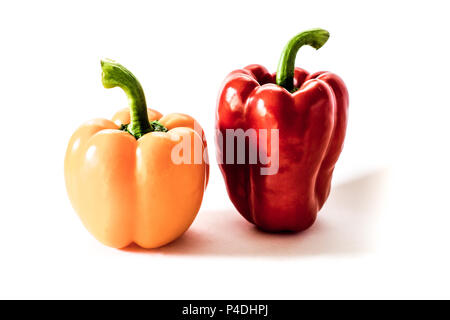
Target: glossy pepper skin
[311, 116]
[122, 182]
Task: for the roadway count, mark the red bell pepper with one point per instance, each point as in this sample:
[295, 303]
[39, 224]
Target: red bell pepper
[309, 112]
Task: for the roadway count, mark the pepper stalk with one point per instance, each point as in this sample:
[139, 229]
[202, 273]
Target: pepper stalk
[315, 38]
[116, 75]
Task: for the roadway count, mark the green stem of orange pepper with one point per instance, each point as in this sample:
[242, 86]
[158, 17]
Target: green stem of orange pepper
[116, 75]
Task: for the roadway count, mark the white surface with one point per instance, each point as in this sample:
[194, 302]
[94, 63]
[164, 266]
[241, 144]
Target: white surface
[382, 234]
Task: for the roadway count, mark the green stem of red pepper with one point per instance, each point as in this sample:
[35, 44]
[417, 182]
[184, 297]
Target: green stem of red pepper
[116, 75]
[315, 38]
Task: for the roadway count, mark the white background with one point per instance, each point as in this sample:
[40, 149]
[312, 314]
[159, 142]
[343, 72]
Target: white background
[384, 232]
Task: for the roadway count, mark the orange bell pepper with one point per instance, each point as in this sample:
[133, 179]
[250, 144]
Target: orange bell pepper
[120, 176]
